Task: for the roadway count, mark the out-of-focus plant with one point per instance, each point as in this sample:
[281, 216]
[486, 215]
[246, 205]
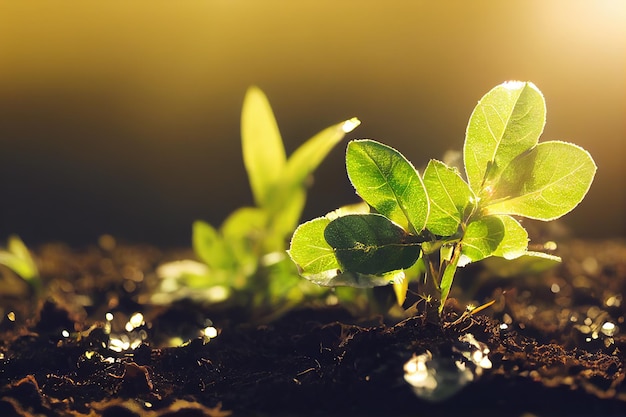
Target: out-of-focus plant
[244, 260]
[431, 224]
[18, 259]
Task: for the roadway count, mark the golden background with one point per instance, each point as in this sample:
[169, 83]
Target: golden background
[123, 116]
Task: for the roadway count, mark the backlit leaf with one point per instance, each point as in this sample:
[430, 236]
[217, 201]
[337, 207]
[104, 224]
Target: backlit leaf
[482, 238]
[387, 181]
[17, 257]
[449, 196]
[371, 244]
[507, 121]
[310, 251]
[310, 154]
[336, 278]
[544, 183]
[209, 246]
[288, 196]
[243, 230]
[448, 277]
[263, 150]
[514, 243]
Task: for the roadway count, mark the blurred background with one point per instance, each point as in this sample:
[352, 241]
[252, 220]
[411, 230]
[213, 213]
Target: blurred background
[123, 117]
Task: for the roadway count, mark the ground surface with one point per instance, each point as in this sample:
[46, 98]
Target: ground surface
[556, 346]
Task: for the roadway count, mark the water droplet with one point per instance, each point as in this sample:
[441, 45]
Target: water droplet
[614, 301]
[435, 378]
[555, 288]
[210, 332]
[135, 321]
[608, 329]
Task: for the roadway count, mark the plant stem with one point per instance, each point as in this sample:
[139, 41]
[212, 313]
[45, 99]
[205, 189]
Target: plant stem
[429, 287]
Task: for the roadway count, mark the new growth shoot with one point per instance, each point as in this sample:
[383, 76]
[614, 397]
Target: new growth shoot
[432, 223]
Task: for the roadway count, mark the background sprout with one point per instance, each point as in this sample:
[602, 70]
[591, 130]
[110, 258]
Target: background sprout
[245, 260]
[17, 258]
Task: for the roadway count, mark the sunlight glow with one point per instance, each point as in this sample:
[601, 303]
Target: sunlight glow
[349, 125]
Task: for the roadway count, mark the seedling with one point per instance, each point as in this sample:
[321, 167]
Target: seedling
[441, 220]
[17, 258]
[245, 260]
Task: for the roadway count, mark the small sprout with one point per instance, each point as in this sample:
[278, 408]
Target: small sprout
[17, 258]
[244, 261]
[443, 219]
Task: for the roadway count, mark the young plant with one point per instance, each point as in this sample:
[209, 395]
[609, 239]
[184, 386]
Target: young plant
[17, 258]
[441, 220]
[245, 259]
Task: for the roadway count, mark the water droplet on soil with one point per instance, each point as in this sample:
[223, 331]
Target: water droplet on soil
[437, 377]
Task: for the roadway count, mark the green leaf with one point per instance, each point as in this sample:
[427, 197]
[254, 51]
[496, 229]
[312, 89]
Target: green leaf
[244, 231]
[544, 183]
[448, 276]
[310, 154]
[209, 246]
[449, 196]
[481, 239]
[263, 150]
[514, 243]
[531, 263]
[284, 219]
[387, 181]
[310, 251]
[356, 279]
[289, 195]
[507, 121]
[17, 257]
[371, 244]
[316, 259]
[244, 223]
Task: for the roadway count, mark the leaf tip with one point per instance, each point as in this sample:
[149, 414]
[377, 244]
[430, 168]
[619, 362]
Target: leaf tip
[515, 84]
[350, 124]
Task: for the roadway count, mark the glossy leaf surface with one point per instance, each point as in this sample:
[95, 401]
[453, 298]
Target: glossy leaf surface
[371, 244]
[387, 181]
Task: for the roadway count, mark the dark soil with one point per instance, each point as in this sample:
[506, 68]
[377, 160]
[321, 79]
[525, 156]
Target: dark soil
[551, 349]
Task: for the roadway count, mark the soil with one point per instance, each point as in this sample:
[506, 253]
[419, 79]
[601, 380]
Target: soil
[554, 342]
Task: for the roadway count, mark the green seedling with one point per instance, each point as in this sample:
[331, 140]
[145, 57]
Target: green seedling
[17, 258]
[431, 224]
[245, 259]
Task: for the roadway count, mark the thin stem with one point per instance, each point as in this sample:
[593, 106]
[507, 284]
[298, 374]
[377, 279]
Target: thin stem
[429, 286]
